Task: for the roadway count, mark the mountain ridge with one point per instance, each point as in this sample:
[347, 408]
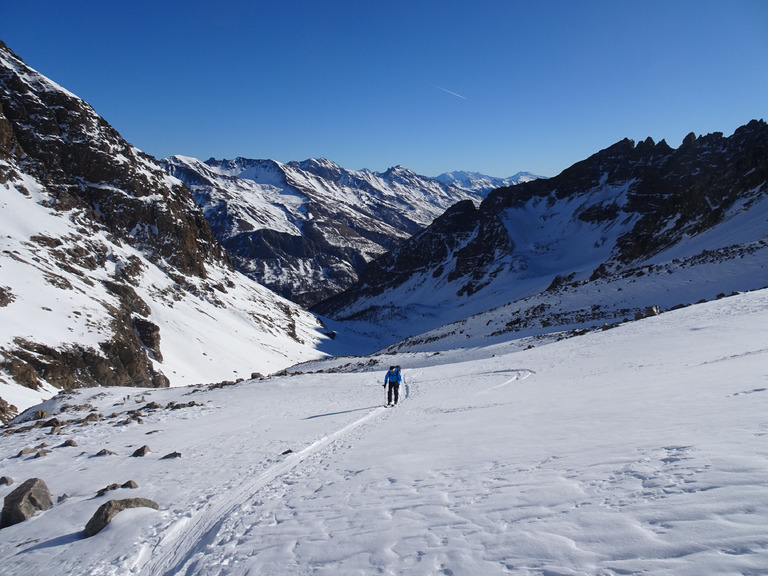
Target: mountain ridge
[306, 229]
[620, 209]
[482, 183]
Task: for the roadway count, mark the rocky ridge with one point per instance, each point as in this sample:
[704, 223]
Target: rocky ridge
[631, 208]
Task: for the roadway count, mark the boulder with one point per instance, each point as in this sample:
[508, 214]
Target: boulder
[130, 484]
[107, 489]
[22, 503]
[648, 312]
[109, 510]
[143, 451]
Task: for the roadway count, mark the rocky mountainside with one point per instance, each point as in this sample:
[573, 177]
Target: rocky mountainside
[634, 225]
[307, 229]
[108, 268]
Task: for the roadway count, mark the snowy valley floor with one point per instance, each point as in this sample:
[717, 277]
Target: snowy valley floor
[638, 450]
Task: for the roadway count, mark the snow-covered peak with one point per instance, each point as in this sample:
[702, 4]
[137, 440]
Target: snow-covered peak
[482, 183]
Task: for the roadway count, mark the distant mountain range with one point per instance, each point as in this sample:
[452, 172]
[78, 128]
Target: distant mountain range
[307, 229]
[482, 183]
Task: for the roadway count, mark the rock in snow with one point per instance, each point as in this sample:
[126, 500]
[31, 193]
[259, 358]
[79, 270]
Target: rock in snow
[32, 496]
[109, 510]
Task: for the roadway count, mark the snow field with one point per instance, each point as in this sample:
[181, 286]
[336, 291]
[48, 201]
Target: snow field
[638, 450]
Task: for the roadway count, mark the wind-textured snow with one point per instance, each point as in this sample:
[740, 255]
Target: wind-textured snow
[638, 450]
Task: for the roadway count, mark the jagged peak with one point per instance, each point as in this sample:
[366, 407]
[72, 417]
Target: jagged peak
[398, 172]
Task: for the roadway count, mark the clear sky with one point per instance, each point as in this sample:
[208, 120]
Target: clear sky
[490, 86]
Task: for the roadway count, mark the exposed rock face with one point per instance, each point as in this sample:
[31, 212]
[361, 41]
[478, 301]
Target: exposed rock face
[32, 496]
[109, 510]
[149, 334]
[78, 156]
[666, 193]
[108, 186]
[7, 411]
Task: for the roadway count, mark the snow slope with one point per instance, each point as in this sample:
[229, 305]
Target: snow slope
[637, 450]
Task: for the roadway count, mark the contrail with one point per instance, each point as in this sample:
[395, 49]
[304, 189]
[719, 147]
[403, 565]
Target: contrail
[449, 92]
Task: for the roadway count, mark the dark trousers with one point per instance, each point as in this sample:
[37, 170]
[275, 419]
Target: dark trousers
[393, 390]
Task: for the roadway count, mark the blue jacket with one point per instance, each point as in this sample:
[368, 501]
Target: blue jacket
[393, 376]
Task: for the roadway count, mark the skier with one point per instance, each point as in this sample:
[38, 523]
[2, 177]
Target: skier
[393, 378]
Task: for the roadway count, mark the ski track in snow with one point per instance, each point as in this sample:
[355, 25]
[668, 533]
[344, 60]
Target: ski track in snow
[515, 376]
[635, 451]
[209, 541]
[191, 534]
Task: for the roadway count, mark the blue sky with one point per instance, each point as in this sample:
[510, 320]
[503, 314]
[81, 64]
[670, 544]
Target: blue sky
[489, 86]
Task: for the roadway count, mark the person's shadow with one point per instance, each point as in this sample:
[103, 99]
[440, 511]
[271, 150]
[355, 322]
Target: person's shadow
[337, 413]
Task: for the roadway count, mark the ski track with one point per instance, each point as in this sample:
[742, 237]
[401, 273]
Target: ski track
[188, 535]
[515, 376]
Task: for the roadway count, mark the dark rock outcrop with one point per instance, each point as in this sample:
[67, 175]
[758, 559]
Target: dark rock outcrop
[130, 484]
[32, 496]
[143, 451]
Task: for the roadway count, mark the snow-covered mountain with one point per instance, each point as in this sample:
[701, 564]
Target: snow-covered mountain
[633, 226]
[539, 432]
[482, 184]
[307, 229]
[109, 272]
[639, 450]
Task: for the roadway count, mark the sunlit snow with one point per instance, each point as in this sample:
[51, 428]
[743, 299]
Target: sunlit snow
[637, 450]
